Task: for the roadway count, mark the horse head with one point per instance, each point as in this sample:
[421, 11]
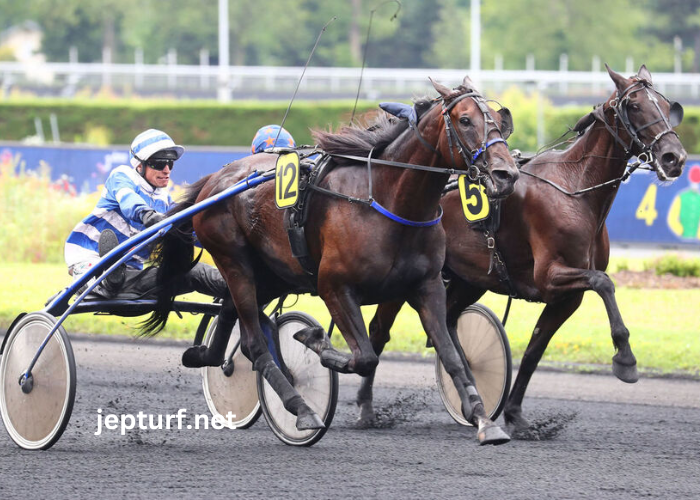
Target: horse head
[648, 117]
[478, 133]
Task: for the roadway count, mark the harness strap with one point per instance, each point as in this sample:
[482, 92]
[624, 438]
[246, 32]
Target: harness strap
[599, 113]
[376, 161]
[423, 141]
[403, 221]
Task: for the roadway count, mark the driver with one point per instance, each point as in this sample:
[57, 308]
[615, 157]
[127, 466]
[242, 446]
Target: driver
[134, 197]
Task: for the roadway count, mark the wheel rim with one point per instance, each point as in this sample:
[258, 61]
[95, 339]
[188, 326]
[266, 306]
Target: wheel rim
[488, 354]
[316, 384]
[236, 394]
[37, 420]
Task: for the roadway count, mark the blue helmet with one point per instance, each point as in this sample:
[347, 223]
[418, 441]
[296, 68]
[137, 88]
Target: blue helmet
[265, 139]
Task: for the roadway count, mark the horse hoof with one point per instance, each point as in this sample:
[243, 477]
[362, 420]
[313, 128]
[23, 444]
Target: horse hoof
[367, 415]
[492, 434]
[309, 421]
[516, 424]
[193, 357]
[626, 373]
[313, 337]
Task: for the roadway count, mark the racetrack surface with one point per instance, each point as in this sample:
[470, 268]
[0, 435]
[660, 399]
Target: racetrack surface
[602, 439]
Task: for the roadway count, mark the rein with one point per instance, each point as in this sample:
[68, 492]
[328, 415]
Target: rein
[619, 107]
[631, 167]
[473, 171]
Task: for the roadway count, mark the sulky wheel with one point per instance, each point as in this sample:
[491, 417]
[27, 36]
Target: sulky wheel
[231, 388]
[485, 345]
[316, 384]
[36, 418]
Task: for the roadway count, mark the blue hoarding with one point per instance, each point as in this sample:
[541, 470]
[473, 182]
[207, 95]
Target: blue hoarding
[649, 211]
[645, 210]
[85, 169]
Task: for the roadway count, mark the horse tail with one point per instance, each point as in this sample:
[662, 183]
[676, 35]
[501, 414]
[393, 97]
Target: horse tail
[174, 257]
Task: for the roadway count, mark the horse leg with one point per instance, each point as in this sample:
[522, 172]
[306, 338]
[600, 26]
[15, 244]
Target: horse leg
[624, 361]
[254, 347]
[344, 308]
[429, 301]
[379, 335]
[198, 356]
[552, 317]
[566, 280]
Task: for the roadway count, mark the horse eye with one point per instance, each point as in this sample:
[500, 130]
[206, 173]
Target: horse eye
[464, 120]
[634, 106]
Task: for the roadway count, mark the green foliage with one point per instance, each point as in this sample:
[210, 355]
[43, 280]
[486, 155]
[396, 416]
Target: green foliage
[677, 266]
[619, 265]
[524, 109]
[35, 217]
[191, 123]
[6, 54]
[427, 33]
[209, 123]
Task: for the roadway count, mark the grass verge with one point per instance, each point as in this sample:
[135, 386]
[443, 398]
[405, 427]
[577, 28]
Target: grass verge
[662, 323]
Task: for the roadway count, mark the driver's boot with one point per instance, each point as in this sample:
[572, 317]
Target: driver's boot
[111, 285]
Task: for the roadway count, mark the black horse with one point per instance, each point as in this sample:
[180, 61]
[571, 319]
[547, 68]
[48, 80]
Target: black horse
[359, 252]
[552, 236]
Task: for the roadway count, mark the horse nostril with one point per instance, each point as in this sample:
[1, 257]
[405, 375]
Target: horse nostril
[505, 176]
[669, 159]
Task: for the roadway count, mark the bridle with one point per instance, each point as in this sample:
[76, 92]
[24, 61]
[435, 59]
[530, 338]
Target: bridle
[619, 105]
[645, 156]
[474, 170]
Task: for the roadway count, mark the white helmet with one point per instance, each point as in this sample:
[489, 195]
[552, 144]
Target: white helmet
[150, 142]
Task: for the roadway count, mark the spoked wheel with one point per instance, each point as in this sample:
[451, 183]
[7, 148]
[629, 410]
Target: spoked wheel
[37, 419]
[315, 383]
[231, 388]
[484, 343]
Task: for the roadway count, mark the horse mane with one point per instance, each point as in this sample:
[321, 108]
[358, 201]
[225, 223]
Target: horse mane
[375, 131]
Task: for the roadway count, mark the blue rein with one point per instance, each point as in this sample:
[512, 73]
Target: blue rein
[403, 221]
[481, 150]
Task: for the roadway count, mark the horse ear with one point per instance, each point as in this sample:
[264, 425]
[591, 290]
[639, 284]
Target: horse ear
[506, 122]
[644, 73]
[675, 114]
[441, 89]
[467, 83]
[620, 81]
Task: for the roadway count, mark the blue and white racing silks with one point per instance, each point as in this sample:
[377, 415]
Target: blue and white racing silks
[125, 195]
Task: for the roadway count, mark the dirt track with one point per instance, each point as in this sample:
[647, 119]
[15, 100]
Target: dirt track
[605, 440]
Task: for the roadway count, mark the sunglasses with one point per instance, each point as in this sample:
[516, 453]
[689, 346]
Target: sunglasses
[159, 164]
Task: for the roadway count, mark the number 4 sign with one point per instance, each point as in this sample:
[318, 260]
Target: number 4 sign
[646, 210]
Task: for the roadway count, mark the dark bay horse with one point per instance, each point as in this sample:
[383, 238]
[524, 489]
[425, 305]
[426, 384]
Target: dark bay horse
[555, 245]
[361, 256]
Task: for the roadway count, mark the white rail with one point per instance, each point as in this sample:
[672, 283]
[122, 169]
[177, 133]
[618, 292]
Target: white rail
[322, 83]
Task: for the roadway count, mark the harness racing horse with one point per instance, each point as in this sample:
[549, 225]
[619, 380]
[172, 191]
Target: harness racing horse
[552, 238]
[385, 245]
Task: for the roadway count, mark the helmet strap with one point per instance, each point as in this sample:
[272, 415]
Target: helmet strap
[142, 163]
